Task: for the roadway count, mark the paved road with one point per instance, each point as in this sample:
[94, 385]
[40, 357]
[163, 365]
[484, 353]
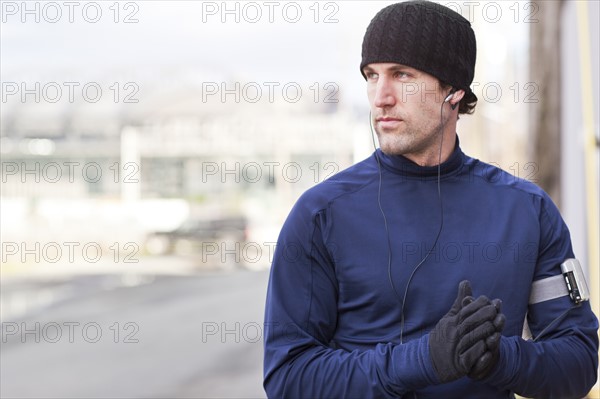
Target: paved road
[120, 336]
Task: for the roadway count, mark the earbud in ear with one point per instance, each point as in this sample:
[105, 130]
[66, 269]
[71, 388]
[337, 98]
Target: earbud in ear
[449, 97]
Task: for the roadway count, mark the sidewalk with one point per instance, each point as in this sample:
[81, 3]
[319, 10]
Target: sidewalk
[31, 287]
[153, 265]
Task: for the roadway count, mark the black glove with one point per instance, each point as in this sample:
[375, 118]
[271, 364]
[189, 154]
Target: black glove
[457, 341]
[487, 362]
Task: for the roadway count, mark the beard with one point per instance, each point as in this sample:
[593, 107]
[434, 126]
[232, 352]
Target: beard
[407, 139]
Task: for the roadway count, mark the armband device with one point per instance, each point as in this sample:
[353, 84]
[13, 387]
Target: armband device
[571, 282]
[575, 279]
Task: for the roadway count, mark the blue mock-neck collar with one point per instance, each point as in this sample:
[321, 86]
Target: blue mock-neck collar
[400, 165]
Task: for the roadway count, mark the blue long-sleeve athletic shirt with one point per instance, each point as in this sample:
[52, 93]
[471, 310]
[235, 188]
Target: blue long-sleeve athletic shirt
[332, 321]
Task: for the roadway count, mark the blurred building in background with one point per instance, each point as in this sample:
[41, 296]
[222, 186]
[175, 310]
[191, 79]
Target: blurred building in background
[189, 157]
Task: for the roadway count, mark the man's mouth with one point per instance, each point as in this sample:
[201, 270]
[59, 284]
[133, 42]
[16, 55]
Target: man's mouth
[388, 122]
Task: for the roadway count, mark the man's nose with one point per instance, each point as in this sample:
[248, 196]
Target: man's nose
[384, 95]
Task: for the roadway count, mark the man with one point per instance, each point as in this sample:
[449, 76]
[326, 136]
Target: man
[373, 284]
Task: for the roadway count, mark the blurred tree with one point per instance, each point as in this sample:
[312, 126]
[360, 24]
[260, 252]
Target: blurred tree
[544, 71]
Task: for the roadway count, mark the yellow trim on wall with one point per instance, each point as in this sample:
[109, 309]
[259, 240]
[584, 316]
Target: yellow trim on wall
[591, 174]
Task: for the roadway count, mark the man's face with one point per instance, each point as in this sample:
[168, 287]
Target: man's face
[405, 109]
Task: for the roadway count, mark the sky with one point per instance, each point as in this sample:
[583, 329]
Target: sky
[194, 41]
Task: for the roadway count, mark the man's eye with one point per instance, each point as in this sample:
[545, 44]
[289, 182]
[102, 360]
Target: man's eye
[371, 75]
[401, 74]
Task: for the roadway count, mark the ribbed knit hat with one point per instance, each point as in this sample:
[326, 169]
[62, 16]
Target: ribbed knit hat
[426, 36]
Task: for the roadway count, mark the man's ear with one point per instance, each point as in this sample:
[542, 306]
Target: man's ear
[456, 97]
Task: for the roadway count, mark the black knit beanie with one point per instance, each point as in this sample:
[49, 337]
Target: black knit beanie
[426, 36]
